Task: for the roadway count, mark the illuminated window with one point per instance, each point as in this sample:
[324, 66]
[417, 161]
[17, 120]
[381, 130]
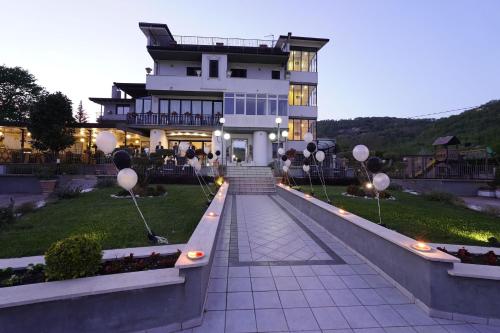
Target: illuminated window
[302, 61]
[297, 128]
[302, 95]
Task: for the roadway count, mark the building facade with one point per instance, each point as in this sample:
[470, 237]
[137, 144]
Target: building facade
[257, 87]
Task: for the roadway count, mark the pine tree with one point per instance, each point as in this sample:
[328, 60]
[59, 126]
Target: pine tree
[81, 115]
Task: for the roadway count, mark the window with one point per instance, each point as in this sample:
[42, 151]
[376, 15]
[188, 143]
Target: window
[213, 68]
[122, 109]
[272, 105]
[175, 107]
[196, 107]
[302, 61]
[147, 105]
[229, 104]
[238, 72]
[276, 75]
[186, 107]
[282, 105]
[297, 128]
[261, 104]
[240, 104]
[143, 105]
[251, 104]
[302, 95]
[192, 71]
[207, 108]
[164, 106]
[218, 108]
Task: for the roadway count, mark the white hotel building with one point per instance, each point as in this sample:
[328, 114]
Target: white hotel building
[196, 81]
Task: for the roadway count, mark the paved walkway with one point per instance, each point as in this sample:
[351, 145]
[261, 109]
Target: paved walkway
[276, 270]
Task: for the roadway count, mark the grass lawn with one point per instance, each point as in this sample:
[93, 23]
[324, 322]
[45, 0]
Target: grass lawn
[419, 218]
[114, 221]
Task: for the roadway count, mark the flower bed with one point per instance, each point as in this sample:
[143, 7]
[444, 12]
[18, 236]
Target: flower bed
[488, 258]
[36, 273]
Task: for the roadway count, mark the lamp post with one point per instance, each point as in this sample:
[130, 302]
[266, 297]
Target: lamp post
[284, 134]
[222, 121]
[226, 136]
[278, 122]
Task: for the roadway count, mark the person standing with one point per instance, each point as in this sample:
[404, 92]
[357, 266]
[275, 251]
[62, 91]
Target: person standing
[159, 146]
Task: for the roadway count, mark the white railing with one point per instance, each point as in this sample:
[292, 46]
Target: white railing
[219, 41]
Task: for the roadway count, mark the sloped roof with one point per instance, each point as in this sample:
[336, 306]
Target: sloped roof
[446, 141]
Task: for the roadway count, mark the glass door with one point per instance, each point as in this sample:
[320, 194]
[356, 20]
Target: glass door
[239, 147]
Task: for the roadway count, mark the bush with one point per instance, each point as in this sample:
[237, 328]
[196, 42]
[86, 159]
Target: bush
[45, 173]
[73, 257]
[7, 213]
[443, 197]
[69, 192]
[25, 208]
[105, 182]
[395, 187]
[355, 190]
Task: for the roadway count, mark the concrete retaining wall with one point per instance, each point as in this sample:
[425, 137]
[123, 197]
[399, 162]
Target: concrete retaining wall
[453, 186]
[426, 275]
[19, 184]
[164, 300]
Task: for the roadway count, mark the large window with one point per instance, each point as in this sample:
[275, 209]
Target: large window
[213, 70]
[176, 107]
[122, 109]
[255, 104]
[143, 105]
[302, 94]
[302, 61]
[297, 128]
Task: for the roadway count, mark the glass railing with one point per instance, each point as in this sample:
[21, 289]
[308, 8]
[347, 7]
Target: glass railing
[164, 119]
[220, 41]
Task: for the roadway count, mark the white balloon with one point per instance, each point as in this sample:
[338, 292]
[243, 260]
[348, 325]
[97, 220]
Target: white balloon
[127, 178]
[361, 153]
[192, 162]
[306, 168]
[106, 142]
[288, 163]
[320, 156]
[381, 181]
[206, 150]
[281, 151]
[285, 168]
[197, 166]
[308, 137]
[306, 153]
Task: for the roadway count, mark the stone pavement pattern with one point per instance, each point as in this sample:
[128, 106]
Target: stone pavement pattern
[279, 297]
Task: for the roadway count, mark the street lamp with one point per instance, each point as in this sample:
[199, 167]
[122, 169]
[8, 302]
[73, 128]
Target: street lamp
[222, 120]
[227, 136]
[272, 136]
[284, 134]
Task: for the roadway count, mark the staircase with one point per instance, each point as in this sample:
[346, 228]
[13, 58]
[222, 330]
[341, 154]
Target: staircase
[250, 180]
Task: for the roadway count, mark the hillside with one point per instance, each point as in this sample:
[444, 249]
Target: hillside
[398, 136]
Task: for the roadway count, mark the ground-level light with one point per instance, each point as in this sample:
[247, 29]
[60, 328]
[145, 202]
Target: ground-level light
[193, 255]
[343, 212]
[212, 214]
[420, 246]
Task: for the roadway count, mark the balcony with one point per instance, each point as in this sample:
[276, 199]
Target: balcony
[173, 120]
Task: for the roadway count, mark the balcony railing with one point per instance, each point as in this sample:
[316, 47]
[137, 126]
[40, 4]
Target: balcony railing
[164, 119]
[220, 41]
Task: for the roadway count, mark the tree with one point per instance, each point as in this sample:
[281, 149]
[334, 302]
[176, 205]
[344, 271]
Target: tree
[81, 115]
[18, 92]
[51, 123]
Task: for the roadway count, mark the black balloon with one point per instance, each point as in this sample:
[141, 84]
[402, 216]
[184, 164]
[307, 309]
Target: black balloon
[284, 158]
[311, 147]
[210, 156]
[217, 152]
[190, 153]
[122, 159]
[374, 164]
[306, 162]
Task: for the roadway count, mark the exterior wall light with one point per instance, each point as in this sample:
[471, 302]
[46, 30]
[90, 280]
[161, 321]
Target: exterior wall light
[193, 255]
[227, 136]
[422, 247]
[272, 136]
[222, 120]
[148, 70]
[217, 133]
[278, 120]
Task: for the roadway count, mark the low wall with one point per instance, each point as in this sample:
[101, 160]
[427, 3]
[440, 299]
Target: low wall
[453, 186]
[163, 300]
[437, 280]
[19, 184]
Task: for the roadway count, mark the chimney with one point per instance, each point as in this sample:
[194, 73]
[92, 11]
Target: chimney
[115, 92]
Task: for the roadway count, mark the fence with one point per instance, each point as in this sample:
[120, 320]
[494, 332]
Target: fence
[164, 119]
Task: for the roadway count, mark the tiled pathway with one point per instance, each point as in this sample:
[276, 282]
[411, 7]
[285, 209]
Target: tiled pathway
[305, 287]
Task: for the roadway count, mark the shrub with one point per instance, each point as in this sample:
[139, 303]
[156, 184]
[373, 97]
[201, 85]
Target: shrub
[7, 213]
[443, 197]
[355, 190]
[25, 208]
[73, 257]
[105, 182]
[69, 192]
[45, 173]
[395, 187]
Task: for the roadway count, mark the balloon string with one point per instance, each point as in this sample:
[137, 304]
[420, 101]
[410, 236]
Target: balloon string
[208, 187]
[202, 187]
[377, 194]
[310, 182]
[321, 179]
[139, 210]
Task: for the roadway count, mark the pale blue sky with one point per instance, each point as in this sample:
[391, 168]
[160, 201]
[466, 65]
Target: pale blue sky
[385, 58]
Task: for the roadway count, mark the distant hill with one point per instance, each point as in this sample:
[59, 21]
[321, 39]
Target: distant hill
[392, 136]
